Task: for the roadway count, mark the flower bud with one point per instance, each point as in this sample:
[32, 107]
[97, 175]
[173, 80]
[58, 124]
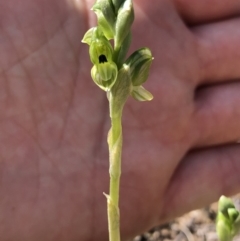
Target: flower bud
[139, 63]
[93, 34]
[87, 38]
[117, 4]
[104, 25]
[124, 21]
[106, 17]
[104, 74]
[141, 94]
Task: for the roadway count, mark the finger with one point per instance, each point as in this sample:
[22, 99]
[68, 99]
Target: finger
[202, 177]
[202, 11]
[217, 116]
[219, 50]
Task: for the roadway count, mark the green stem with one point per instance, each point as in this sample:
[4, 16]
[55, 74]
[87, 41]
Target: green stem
[115, 150]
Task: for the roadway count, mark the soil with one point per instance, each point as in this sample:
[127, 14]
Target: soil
[197, 225]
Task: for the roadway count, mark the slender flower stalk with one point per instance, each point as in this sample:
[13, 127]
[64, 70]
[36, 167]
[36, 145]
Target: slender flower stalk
[120, 79]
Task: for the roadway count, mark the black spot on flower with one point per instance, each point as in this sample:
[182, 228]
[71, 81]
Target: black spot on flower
[102, 59]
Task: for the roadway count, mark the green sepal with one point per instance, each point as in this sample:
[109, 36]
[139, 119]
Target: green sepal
[124, 21]
[87, 38]
[139, 63]
[140, 93]
[106, 17]
[104, 75]
[93, 34]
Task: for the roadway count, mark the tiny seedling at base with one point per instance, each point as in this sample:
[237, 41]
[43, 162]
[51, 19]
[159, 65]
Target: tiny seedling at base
[228, 219]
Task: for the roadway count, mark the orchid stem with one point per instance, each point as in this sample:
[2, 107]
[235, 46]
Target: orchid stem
[115, 150]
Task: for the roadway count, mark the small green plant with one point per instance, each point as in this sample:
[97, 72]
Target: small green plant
[120, 78]
[228, 219]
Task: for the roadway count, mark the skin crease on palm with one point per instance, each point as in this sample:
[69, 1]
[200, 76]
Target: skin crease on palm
[179, 151]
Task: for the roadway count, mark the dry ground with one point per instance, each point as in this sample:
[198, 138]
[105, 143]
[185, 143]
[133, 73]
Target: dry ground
[197, 225]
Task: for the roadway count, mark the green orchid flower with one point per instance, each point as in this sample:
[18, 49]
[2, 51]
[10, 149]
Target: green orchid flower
[104, 71]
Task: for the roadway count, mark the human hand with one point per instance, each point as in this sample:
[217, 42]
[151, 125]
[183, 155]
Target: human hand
[54, 120]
